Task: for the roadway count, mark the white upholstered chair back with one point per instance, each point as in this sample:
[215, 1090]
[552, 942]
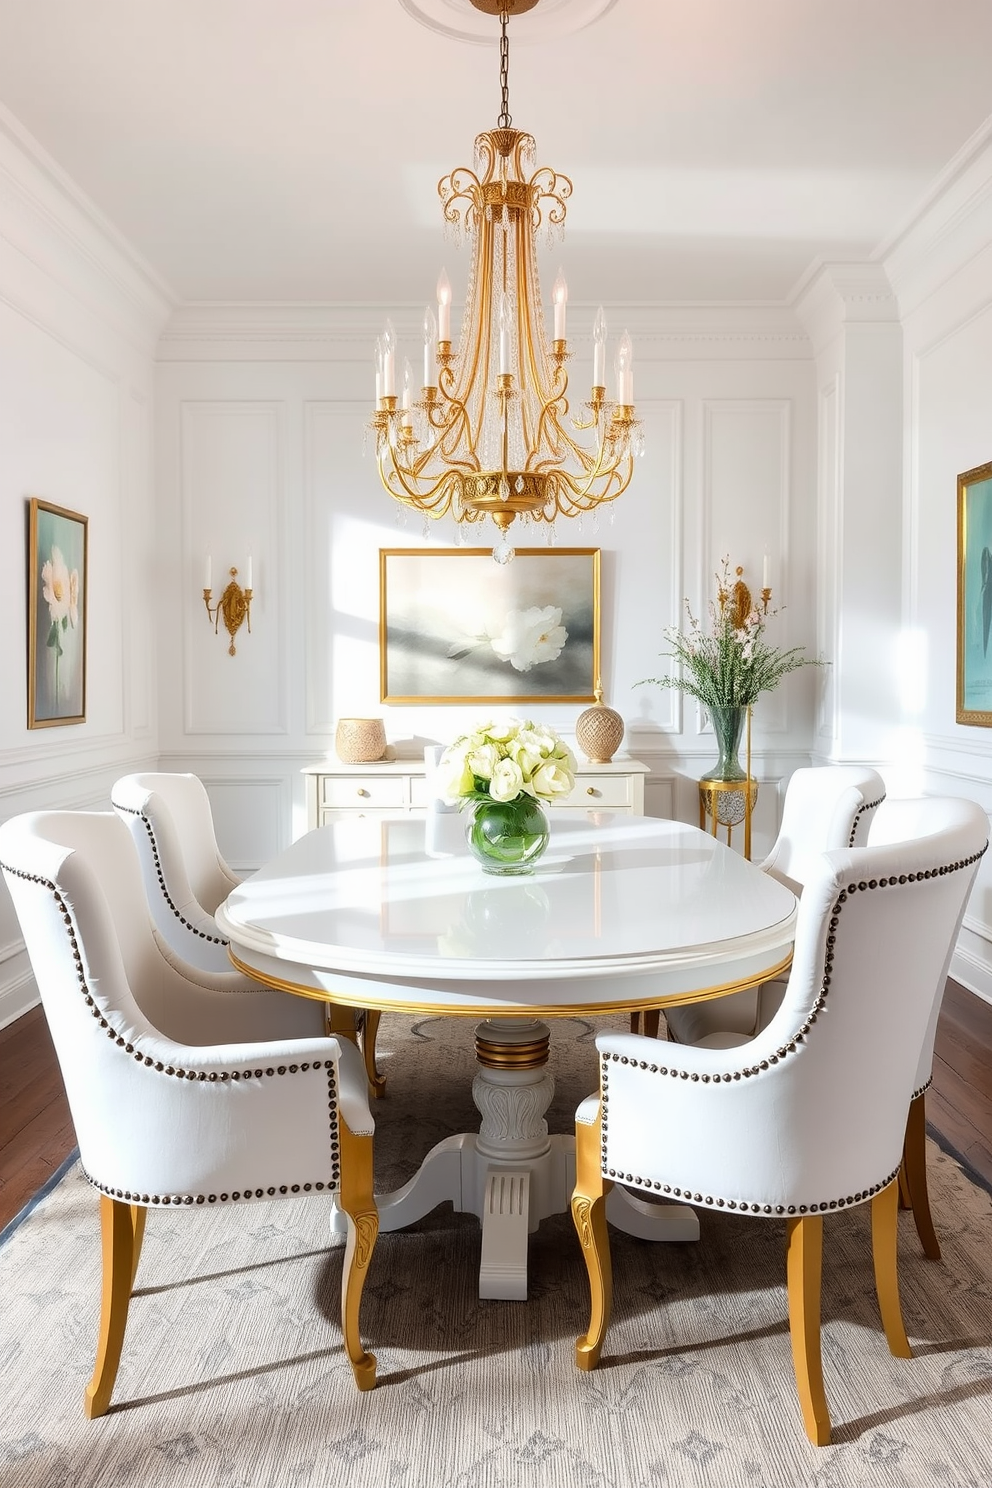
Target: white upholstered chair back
[811, 1111]
[826, 807]
[184, 874]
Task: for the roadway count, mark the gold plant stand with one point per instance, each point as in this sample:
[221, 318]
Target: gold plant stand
[727, 803]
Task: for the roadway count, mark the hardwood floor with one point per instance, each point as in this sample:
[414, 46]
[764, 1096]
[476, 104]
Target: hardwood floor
[36, 1131]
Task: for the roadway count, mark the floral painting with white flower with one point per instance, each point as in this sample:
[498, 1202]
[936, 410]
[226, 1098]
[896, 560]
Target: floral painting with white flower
[57, 674]
[457, 627]
[501, 761]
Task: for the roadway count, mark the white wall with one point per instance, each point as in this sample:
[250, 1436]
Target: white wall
[260, 419]
[941, 269]
[79, 318]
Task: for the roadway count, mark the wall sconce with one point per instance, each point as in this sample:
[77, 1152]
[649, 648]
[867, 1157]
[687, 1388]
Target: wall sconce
[234, 605]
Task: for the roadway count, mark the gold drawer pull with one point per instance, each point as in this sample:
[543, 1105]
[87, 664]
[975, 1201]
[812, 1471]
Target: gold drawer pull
[362, 792]
[591, 791]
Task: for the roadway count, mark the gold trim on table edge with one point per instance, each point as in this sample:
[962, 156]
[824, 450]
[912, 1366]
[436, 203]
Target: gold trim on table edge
[537, 1010]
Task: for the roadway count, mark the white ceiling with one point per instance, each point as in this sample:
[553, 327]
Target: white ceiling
[289, 150]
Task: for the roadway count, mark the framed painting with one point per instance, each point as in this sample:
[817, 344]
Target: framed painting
[974, 670]
[57, 584]
[455, 627]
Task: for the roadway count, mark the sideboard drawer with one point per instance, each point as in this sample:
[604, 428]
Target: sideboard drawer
[359, 792]
[610, 792]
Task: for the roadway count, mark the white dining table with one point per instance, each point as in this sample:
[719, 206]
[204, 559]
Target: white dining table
[622, 914]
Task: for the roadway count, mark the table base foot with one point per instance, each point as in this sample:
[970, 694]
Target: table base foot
[648, 1221]
[510, 1199]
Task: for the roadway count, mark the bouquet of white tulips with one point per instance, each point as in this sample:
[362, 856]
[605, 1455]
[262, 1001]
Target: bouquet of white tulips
[504, 761]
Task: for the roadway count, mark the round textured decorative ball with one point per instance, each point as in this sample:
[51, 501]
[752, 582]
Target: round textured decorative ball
[598, 732]
[360, 740]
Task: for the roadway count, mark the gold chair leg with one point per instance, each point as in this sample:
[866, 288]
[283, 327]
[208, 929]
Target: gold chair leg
[118, 1229]
[358, 1205]
[804, 1266]
[138, 1216]
[377, 1081]
[589, 1217]
[646, 1022]
[914, 1170]
[884, 1248]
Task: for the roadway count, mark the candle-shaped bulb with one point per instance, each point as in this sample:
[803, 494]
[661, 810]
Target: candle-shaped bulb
[504, 333]
[389, 361]
[430, 348]
[248, 583]
[407, 399]
[208, 573]
[625, 371]
[444, 306]
[765, 573]
[559, 294]
[599, 349]
[378, 370]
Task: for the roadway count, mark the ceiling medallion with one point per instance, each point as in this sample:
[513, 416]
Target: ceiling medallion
[492, 434]
[469, 20]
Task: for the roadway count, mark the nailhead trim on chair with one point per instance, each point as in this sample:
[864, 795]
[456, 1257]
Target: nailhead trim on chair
[868, 806]
[210, 1076]
[757, 1069]
[213, 939]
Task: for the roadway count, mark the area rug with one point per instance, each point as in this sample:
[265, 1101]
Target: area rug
[233, 1374]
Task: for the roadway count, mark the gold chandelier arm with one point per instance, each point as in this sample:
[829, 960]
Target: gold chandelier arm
[549, 186]
[435, 501]
[461, 194]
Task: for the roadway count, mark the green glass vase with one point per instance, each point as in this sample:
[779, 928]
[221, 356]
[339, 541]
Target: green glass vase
[508, 836]
[728, 726]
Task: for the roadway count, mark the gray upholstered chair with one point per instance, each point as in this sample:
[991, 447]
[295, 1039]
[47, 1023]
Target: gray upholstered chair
[186, 878]
[825, 808]
[808, 1116]
[185, 1087]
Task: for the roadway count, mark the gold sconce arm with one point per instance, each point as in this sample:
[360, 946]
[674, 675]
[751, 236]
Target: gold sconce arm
[233, 607]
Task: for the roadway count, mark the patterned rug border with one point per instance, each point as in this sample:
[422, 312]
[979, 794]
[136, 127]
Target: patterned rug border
[46, 1188]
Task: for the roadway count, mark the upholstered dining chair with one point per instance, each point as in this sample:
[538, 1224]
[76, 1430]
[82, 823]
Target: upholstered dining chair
[895, 822]
[186, 878]
[180, 1093]
[826, 807]
[809, 1116]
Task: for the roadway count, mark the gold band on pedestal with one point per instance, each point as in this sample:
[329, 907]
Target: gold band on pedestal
[495, 1055]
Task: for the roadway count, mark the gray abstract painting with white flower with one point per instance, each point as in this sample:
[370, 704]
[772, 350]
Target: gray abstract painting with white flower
[458, 626]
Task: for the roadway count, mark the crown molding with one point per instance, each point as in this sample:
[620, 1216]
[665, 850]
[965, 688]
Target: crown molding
[57, 229]
[836, 295]
[948, 228]
[279, 331]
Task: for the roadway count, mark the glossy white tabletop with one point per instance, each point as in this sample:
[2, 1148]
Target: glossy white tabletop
[625, 912]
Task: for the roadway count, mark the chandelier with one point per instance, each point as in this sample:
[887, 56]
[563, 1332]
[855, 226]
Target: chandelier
[492, 433]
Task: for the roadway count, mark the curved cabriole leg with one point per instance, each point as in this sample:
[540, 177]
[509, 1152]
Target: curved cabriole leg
[138, 1216]
[914, 1172]
[119, 1230]
[589, 1217]
[804, 1265]
[358, 1205]
[377, 1080]
[884, 1249]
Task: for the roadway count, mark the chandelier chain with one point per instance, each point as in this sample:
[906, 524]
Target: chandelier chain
[504, 120]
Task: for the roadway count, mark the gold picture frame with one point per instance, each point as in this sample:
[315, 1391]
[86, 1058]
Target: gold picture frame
[58, 581]
[974, 634]
[455, 627]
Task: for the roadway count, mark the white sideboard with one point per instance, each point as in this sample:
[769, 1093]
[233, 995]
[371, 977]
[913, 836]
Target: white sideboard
[399, 786]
